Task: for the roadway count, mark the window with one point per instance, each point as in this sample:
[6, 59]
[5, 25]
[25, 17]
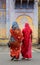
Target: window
[2, 4]
[17, 3]
[31, 4]
[24, 4]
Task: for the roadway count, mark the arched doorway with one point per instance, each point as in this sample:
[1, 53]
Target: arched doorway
[21, 20]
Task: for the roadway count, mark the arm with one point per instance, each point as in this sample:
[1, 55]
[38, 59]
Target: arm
[31, 37]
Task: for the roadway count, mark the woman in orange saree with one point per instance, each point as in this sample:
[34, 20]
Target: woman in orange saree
[15, 43]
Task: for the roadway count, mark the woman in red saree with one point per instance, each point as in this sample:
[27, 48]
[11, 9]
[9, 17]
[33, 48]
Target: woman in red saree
[26, 48]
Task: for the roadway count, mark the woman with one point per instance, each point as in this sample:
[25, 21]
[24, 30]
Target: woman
[15, 40]
[27, 42]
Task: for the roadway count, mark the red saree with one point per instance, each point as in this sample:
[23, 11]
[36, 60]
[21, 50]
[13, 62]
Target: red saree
[26, 49]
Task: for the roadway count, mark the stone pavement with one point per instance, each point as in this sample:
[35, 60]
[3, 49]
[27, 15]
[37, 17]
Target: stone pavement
[5, 59]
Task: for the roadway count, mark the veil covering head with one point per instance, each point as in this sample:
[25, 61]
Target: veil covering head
[26, 25]
[15, 25]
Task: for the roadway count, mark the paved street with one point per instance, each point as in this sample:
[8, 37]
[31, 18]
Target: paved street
[5, 58]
